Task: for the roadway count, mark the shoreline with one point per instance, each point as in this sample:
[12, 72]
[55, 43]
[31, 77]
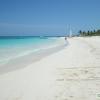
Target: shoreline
[17, 63]
[71, 73]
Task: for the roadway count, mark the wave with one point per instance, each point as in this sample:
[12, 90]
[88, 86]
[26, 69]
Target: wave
[58, 43]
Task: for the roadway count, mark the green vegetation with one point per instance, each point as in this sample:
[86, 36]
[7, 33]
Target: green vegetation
[90, 33]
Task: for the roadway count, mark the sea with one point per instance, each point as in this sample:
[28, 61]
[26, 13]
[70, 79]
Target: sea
[20, 47]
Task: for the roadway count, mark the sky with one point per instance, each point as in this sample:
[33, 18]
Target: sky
[48, 17]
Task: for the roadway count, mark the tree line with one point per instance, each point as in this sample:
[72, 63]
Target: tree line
[89, 33]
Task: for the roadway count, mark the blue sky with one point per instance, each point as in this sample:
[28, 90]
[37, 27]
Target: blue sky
[48, 17]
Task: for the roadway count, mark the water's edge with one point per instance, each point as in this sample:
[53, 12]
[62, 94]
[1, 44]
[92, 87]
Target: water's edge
[24, 61]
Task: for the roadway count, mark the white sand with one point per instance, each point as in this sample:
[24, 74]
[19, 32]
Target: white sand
[70, 74]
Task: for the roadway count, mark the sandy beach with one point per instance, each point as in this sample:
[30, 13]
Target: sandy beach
[73, 73]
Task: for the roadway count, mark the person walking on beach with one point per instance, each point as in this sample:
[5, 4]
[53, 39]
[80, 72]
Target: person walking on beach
[65, 38]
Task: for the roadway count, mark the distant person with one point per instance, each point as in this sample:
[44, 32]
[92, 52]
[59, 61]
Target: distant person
[66, 41]
[65, 38]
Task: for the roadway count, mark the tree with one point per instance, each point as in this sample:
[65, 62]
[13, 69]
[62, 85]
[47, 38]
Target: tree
[94, 31]
[88, 32]
[80, 32]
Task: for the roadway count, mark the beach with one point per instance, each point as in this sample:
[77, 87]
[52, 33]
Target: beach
[72, 73]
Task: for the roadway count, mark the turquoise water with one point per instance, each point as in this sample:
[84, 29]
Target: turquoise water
[14, 47]
[17, 41]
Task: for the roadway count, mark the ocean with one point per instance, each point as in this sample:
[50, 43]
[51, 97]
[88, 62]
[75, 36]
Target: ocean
[16, 47]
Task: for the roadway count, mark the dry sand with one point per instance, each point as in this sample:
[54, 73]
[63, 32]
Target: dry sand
[70, 74]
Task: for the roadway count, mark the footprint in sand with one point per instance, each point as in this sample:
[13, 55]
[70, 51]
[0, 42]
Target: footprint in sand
[15, 98]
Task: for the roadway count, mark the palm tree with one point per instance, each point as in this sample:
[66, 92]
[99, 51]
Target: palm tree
[80, 32]
[88, 33]
[94, 31]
